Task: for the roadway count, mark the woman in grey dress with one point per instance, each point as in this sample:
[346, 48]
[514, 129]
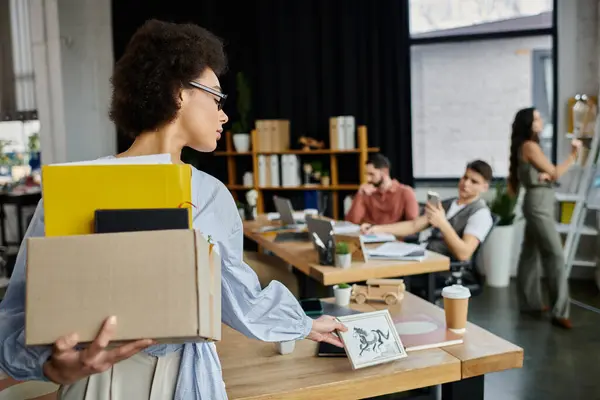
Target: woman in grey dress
[531, 169]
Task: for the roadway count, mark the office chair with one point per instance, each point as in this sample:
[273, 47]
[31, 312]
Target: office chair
[464, 273]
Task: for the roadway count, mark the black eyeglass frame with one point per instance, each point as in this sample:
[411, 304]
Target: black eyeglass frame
[222, 96]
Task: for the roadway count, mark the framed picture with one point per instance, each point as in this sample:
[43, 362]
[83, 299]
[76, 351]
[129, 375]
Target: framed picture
[371, 339]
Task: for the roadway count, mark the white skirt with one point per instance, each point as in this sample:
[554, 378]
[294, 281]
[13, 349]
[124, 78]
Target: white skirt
[142, 377]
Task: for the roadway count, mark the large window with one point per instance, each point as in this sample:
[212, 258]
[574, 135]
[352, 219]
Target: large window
[474, 63]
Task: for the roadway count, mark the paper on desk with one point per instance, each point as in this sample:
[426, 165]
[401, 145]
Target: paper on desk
[342, 227]
[398, 251]
[378, 238]
[139, 160]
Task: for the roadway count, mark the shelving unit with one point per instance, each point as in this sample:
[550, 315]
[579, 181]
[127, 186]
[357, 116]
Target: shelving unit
[580, 194]
[362, 151]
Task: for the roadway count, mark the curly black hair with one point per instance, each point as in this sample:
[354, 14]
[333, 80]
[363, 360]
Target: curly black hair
[161, 58]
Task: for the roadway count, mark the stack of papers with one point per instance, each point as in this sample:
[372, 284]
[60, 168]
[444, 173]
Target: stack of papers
[398, 251]
[343, 227]
[378, 238]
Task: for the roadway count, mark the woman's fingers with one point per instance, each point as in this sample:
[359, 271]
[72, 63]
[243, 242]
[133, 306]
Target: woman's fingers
[95, 350]
[65, 344]
[127, 350]
[332, 339]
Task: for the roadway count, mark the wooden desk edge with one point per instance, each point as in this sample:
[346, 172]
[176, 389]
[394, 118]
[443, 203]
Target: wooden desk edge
[494, 363]
[277, 250]
[438, 263]
[369, 386]
[334, 277]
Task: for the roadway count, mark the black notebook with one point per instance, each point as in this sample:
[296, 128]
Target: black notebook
[329, 350]
[326, 349]
[132, 220]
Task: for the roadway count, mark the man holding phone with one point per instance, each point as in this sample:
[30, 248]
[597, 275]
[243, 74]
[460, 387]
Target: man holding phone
[453, 227]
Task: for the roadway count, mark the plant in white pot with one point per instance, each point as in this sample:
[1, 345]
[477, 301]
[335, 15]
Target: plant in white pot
[342, 294]
[241, 128]
[496, 253]
[241, 209]
[343, 258]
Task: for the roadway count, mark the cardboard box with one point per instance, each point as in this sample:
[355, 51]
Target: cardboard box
[163, 285]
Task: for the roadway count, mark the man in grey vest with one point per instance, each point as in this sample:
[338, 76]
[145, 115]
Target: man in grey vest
[454, 227]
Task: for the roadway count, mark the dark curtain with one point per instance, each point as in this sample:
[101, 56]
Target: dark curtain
[235, 28]
[307, 60]
[316, 59]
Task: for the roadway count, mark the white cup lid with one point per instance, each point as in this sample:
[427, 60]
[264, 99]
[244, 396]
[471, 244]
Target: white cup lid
[456, 292]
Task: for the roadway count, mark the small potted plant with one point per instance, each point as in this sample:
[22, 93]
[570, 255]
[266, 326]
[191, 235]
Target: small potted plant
[241, 128]
[498, 249]
[325, 181]
[343, 258]
[241, 209]
[342, 294]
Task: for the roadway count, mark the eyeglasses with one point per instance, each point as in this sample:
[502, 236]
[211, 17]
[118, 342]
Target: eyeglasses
[222, 96]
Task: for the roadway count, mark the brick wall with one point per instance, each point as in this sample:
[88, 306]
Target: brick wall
[464, 97]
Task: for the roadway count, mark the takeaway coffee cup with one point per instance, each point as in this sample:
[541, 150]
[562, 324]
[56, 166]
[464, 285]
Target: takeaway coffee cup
[456, 306]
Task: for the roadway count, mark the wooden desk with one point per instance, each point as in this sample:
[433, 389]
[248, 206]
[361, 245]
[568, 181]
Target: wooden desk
[253, 370]
[302, 256]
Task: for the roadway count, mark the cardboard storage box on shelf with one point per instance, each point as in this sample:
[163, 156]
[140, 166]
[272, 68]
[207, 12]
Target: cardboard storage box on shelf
[163, 285]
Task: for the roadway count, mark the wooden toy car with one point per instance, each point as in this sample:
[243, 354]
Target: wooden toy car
[389, 290]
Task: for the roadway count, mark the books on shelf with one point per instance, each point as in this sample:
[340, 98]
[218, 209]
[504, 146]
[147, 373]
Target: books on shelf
[272, 135]
[342, 133]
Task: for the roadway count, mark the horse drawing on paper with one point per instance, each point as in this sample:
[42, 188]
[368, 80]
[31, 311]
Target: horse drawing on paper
[372, 340]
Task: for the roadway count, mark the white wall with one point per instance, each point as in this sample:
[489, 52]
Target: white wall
[464, 97]
[578, 72]
[73, 61]
[87, 64]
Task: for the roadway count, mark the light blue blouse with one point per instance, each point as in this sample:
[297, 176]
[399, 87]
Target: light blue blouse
[272, 314]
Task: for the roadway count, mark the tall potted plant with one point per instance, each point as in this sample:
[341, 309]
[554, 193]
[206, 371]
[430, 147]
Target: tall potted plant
[497, 252]
[241, 127]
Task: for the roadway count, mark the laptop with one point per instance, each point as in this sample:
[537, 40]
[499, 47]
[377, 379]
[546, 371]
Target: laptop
[286, 212]
[321, 228]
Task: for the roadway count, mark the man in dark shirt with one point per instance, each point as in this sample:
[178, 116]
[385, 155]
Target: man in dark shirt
[382, 200]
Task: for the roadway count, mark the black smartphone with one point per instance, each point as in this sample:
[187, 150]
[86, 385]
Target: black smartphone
[312, 306]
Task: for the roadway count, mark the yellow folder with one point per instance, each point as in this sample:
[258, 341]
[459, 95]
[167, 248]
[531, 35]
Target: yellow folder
[73, 193]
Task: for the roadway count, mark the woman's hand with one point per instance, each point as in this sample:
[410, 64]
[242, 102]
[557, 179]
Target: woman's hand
[544, 177]
[323, 328]
[575, 146]
[68, 365]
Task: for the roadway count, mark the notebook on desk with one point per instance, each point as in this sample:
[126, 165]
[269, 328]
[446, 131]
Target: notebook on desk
[420, 332]
[326, 349]
[378, 238]
[398, 251]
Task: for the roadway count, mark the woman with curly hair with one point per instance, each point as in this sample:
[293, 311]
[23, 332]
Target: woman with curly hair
[166, 95]
[530, 168]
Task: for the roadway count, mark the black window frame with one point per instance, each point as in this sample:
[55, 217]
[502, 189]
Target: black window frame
[461, 38]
